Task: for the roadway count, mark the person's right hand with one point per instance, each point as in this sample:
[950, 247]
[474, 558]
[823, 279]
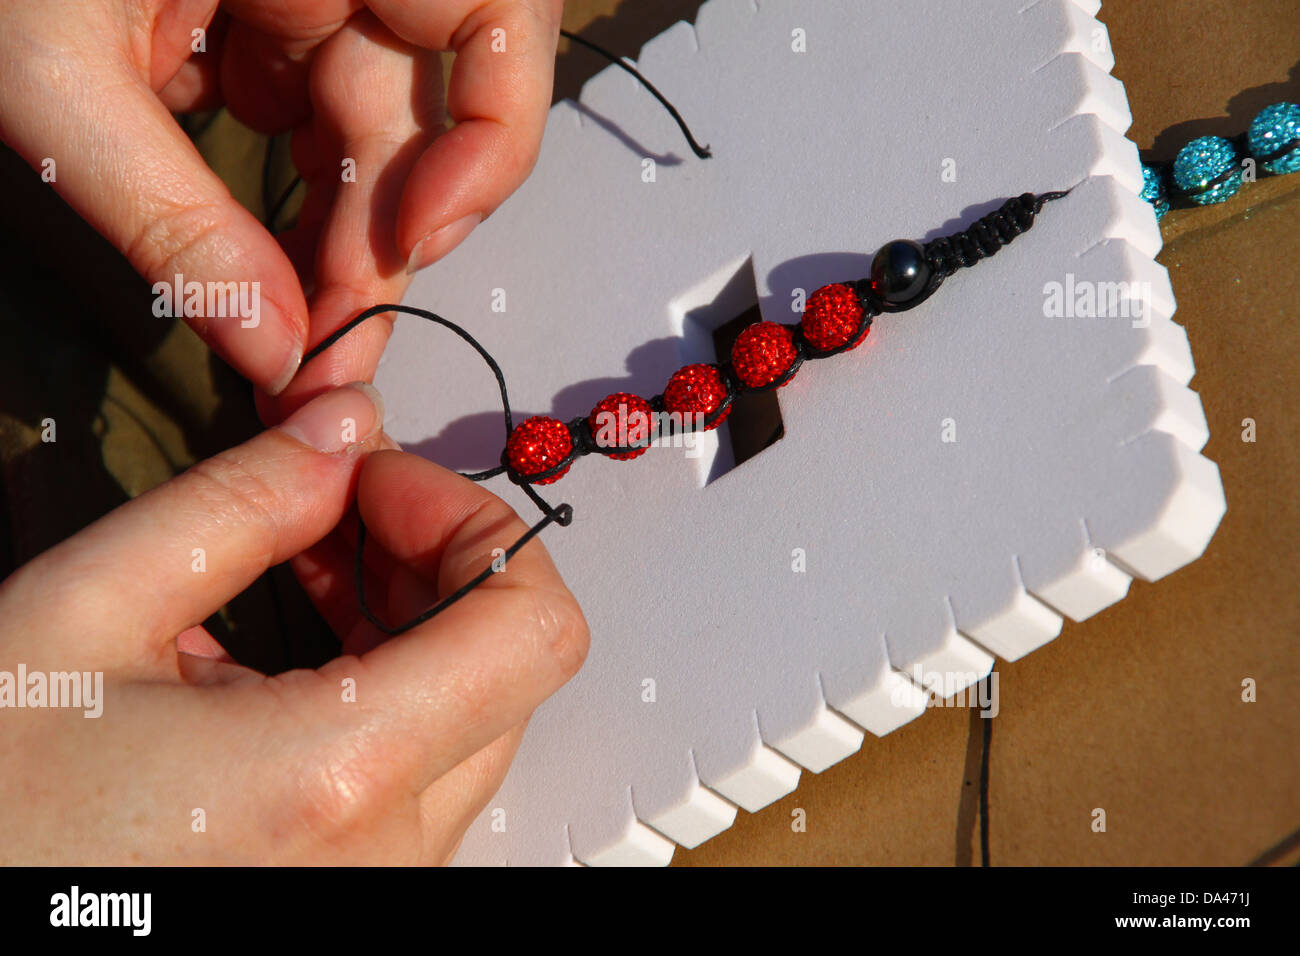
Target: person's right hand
[384, 755]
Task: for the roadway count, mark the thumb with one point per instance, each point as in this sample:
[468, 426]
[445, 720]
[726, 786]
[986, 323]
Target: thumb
[121, 591]
[114, 153]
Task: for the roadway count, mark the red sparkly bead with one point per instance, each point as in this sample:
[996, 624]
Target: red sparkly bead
[763, 353]
[622, 419]
[696, 389]
[831, 317]
[537, 445]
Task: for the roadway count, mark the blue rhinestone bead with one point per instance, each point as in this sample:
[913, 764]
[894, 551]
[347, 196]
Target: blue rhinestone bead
[1153, 190]
[1274, 127]
[1203, 159]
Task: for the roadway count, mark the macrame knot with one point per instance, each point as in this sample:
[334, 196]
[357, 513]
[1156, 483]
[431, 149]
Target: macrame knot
[986, 236]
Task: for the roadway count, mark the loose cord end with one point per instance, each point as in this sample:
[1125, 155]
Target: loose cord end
[703, 152]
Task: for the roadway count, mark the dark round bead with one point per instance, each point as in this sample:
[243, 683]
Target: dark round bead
[900, 271]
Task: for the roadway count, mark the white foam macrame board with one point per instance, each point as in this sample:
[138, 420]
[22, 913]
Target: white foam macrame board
[1075, 464]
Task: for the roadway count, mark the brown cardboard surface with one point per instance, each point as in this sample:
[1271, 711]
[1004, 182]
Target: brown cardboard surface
[1137, 711]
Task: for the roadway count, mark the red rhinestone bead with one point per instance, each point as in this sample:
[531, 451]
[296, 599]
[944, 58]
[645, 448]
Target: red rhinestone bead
[537, 445]
[696, 389]
[831, 317]
[622, 419]
[763, 353]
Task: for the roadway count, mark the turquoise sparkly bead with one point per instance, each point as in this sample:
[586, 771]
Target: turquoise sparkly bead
[1153, 190]
[1204, 159]
[1270, 131]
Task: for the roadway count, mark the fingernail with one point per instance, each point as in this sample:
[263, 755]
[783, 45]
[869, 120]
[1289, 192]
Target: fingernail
[338, 420]
[441, 241]
[286, 375]
[276, 332]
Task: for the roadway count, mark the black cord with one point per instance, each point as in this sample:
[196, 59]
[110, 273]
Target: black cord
[961, 250]
[561, 515]
[271, 210]
[703, 152]
[984, 778]
[988, 234]
[281, 202]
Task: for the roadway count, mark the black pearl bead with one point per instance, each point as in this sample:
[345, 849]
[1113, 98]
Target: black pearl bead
[900, 271]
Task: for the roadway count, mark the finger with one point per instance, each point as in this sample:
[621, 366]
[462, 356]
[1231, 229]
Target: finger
[446, 689]
[124, 165]
[322, 185]
[127, 585]
[177, 31]
[197, 641]
[193, 89]
[196, 84]
[301, 23]
[498, 96]
[201, 660]
[326, 572]
[376, 131]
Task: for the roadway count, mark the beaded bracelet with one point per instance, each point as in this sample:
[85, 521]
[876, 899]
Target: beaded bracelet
[1208, 170]
[766, 355]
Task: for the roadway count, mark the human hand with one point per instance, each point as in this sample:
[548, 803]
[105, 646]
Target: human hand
[384, 755]
[89, 85]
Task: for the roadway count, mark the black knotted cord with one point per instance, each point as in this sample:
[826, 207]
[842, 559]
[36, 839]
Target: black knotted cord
[988, 234]
[962, 250]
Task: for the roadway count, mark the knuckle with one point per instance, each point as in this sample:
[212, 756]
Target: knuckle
[334, 787]
[332, 797]
[173, 233]
[233, 495]
[493, 513]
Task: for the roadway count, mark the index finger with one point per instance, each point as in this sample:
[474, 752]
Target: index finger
[499, 96]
